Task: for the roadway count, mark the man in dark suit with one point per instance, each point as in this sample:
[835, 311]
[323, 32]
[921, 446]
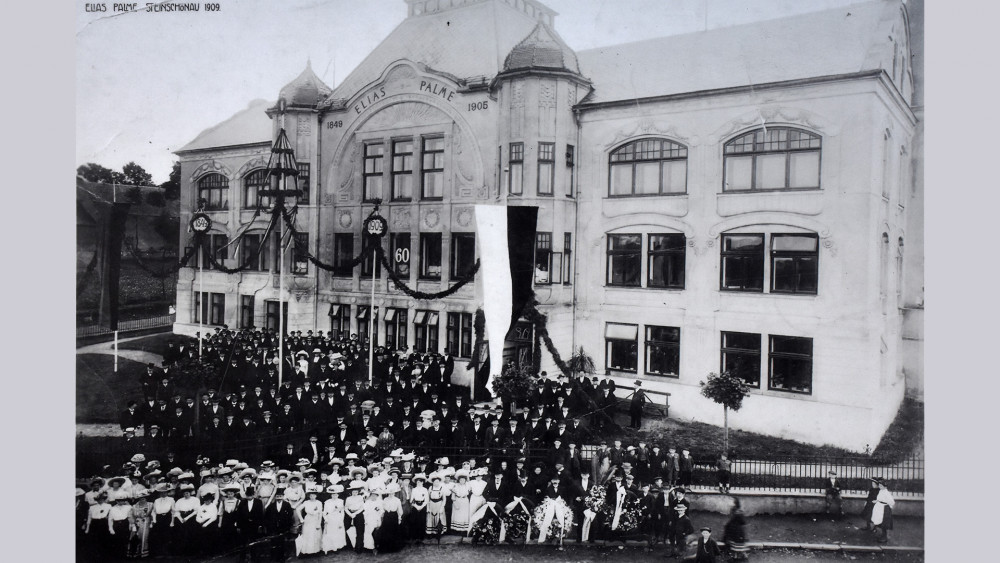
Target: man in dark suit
[278, 521]
[708, 551]
[250, 519]
[832, 490]
[447, 368]
[131, 417]
[498, 488]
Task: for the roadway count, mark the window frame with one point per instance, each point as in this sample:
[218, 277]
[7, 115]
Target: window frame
[567, 258]
[270, 313]
[649, 344]
[610, 252]
[370, 260]
[723, 254]
[543, 243]
[425, 170]
[247, 249]
[458, 335]
[796, 256]
[343, 320]
[206, 184]
[300, 247]
[546, 160]
[210, 311]
[302, 181]
[254, 181]
[423, 336]
[758, 148]
[460, 271]
[398, 267]
[571, 165]
[626, 152]
[396, 324]
[789, 356]
[733, 350]
[216, 242]
[609, 343]
[365, 316]
[246, 306]
[396, 173]
[339, 241]
[651, 254]
[425, 239]
[378, 170]
[515, 160]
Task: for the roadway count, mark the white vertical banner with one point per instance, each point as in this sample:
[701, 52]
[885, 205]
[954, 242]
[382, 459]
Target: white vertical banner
[498, 293]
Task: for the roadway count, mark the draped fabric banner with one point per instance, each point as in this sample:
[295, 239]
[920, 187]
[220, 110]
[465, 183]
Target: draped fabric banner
[110, 250]
[491, 230]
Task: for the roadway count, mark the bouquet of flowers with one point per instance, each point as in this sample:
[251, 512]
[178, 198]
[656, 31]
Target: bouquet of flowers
[629, 519]
[538, 518]
[487, 529]
[595, 499]
[517, 524]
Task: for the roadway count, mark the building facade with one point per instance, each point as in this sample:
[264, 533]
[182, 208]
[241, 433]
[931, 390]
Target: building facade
[697, 212]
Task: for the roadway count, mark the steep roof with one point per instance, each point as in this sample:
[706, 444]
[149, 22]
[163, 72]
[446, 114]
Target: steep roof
[306, 90]
[541, 49]
[245, 127]
[464, 42]
[839, 41]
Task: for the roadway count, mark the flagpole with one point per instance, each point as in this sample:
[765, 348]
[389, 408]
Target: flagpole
[114, 199]
[281, 300]
[371, 319]
[201, 297]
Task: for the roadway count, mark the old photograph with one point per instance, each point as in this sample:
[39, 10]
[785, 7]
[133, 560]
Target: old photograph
[546, 280]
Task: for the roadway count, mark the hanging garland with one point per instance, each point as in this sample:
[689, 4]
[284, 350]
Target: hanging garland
[478, 324]
[202, 241]
[533, 315]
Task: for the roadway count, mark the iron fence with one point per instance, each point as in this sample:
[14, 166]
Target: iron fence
[127, 325]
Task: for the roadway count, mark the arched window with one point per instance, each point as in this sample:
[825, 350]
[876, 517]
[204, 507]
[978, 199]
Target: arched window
[648, 167]
[213, 189]
[252, 184]
[772, 158]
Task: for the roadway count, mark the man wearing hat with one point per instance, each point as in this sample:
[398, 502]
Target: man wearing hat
[635, 405]
[680, 528]
[708, 550]
[832, 490]
[278, 522]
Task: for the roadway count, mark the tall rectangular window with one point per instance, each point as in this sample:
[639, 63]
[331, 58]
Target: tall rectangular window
[663, 350]
[571, 166]
[741, 356]
[371, 261]
[543, 258]
[743, 262]
[624, 260]
[432, 181]
[425, 325]
[463, 254]
[794, 264]
[253, 184]
[271, 315]
[303, 183]
[340, 321]
[459, 335]
[791, 361]
[622, 344]
[372, 176]
[213, 192]
[217, 249]
[395, 328]
[254, 252]
[401, 253]
[402, 170]
[365, 317]
[567, 257]
[343, 254]
[211, 307]
[300, 262]
[246, 311]
[430, 256]
[515, 178]
[546, 167]
[666, 261]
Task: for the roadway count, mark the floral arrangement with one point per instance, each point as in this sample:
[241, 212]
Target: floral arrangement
[487, 529]
[517, 524]
[629, 519]
[595, 499]
[539, 516]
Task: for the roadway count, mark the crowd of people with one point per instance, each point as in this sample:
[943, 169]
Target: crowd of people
[229, 459]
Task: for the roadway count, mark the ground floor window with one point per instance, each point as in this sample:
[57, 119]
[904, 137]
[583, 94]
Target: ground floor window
[210, 308]
[395, 328]
[663, 350]
[622, 346]
[425, 329]
[271, 315]
[791, 361]
[363, 319]
[741, 356]
[340, 321]
[246, 311]
[459, 337]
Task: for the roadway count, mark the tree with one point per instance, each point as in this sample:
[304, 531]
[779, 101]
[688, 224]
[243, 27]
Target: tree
[136, 175]
[580, 362]
[92, 172]
[727, 390]
[514, 384]
[172, 187]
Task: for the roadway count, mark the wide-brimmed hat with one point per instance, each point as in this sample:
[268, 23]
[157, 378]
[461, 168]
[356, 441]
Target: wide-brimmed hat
[335, 489]
[359, 470]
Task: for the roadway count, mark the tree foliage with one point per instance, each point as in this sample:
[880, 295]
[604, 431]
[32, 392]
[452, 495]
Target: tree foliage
[581, 362]
[172, 187]
[514, 384]
[136, 175]
[726, 389]
[92, 172]
[131, 175]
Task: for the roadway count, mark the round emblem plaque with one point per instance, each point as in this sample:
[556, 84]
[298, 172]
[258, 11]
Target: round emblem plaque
[201, 223]
[376, 226]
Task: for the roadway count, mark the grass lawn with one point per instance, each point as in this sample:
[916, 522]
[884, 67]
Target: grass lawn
[905, 435]
[101, 394]
[156, 343]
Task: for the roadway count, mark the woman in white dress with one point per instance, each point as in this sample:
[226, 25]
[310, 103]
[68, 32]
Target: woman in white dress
[437, 495]
[334, 538]
[460, 502]
[476, 487]
[373, 517]
[310, 538]
[295, 495]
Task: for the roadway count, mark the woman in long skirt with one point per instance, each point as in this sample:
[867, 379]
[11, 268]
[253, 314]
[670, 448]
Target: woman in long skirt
[96, 530]
[417, 523]
[159, 528]
[333, 520]
[118, 526]
[435, 506]
[476, 487]
[229, 532]
[373, 517]
[183, 523]
[310, 539]
[139, 519]
[735, 534]
[460, 503]
[390, 537]
[354, 515]
[207, 521]
[882, 513]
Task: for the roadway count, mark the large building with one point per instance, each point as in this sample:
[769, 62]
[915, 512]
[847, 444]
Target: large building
[738, 199]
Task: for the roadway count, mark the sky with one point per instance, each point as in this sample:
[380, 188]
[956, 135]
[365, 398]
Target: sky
[148, 83]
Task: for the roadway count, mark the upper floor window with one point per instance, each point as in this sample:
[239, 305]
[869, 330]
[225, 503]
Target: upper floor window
[402, 170]
[571, 165]
[546, 167]
[624, 259]
[254, 252]
[343, 254]
[794, 263]
[303, 181]
[300, 254]
[374, 156]
[253, 183]
[463, 254]
[430, 256]
[648, 167]
[666, 261]
[772, 158]
[213, 192]
[543, 258]
[217, 248]
[432, 182]
[515, 177]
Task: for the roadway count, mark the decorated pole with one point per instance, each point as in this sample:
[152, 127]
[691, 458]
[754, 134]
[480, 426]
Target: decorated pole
[200, 225]
[114, 199]
[281, 302]
[375, 228]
